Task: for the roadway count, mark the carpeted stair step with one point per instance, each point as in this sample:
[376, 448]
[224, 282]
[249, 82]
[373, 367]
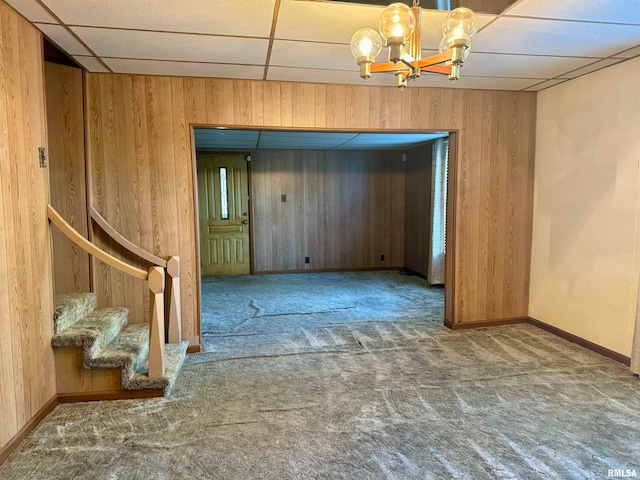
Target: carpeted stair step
[93, 332]
[174, 355]
[127, 351]
[71, 307]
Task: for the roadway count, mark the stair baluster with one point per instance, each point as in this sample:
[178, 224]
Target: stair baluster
[156, 329]
[173, 287]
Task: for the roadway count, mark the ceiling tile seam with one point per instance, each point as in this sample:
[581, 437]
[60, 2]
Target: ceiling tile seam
[272, 34]
[171, 32]
[433, 75]
[202, 62]
[427, 75]
[626, 50]
[545, 88]
[345, 142]
[539, 55]
[72, 33]
[302, 40]
[501, 54]
[550, 19]
[590, 71]
[557, 77]
[536, 84]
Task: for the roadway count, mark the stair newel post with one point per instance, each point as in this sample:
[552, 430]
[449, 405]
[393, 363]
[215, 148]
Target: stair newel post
[174, 306]
[156, 329]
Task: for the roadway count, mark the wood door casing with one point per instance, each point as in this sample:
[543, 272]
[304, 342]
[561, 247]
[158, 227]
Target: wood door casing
[224, 232]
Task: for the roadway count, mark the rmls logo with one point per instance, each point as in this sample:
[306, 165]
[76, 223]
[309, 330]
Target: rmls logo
[622, 473]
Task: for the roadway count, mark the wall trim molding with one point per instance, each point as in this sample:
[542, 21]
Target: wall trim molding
[618, 357]
[486, 323]
[194, 349]
[17, 439]
[77, 397]
[326, 270]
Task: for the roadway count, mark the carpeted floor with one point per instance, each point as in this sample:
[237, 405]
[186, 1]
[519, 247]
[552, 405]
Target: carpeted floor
[346, 396]
[247, 315]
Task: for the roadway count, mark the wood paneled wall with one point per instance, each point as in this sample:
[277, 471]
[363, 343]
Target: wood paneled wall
[27, 376]
[344, 209]
[417, 227]
[138, 130]
[65, 125]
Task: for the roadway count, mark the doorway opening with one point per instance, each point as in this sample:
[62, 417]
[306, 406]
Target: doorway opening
[343, 208]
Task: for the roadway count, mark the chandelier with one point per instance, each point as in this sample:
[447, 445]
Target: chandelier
[400, 28]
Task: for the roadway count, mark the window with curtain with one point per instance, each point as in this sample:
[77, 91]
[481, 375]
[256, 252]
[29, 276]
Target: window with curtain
[438, 243]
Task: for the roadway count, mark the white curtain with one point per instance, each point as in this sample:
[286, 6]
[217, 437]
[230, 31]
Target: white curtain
[438, 243]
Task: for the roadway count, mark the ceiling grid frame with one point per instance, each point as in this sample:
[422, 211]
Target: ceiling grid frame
[531, 45]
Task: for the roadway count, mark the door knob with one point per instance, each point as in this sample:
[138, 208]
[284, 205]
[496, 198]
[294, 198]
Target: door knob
[245, 222]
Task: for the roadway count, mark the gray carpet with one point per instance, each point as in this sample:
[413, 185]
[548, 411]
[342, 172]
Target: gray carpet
[246, 315]
[387, 398]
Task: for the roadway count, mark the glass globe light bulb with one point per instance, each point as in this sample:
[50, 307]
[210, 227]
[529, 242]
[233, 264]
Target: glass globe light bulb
[397, 21]
[366, 43]
[460, 23]
[445, 44]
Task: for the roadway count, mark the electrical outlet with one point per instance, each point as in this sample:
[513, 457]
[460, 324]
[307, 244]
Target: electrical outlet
[307, 259]
[42, 157]
[283, 198]
[382, 258]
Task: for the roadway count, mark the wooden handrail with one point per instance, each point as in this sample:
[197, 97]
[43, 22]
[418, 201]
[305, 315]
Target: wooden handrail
[90, 248]
[132, 247]
[172, 269]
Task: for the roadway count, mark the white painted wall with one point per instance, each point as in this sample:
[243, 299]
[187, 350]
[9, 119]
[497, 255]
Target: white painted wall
[585, 262]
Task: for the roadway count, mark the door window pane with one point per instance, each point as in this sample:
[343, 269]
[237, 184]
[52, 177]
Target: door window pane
[224, 199]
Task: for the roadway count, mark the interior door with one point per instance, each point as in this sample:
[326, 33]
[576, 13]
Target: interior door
[223, 198]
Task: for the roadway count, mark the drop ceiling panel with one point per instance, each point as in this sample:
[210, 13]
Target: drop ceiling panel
[482, 83]
[61, 37]
[389, 141]
[187, 69]
[330, 22]
[431, 32]
[221, 139]
[283, 140]
[222, 17]
[173, 46]
[91, 64]
[302, 140]
[286, 53]
[553, 37]
[228, 39]
[32, 11]
[523, 66]
[620, 11]
[311, 75]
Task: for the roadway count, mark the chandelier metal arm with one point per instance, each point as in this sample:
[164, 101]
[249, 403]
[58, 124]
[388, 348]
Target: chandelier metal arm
[429, 64]
[443, 69]
[434, 59]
